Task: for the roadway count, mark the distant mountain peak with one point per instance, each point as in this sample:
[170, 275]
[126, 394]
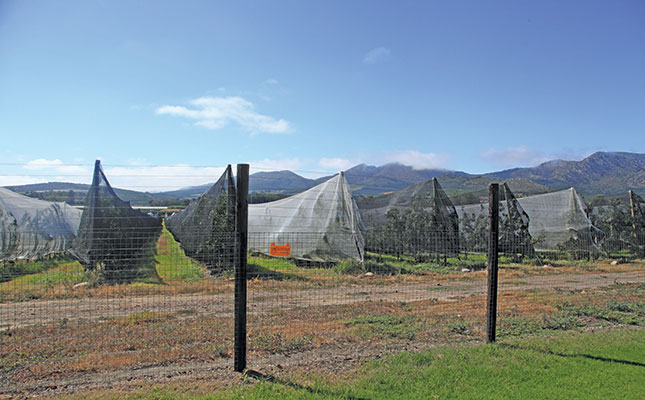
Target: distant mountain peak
[600, 173]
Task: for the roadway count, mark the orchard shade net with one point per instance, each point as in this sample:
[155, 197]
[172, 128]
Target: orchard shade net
[32, 228]
[114, 240]
[637, 205]
[206, 228]
[319, 224]
[514, 236]
[556, 219]
[417, 218]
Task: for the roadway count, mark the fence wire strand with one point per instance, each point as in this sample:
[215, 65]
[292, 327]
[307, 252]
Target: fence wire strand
[67, 326]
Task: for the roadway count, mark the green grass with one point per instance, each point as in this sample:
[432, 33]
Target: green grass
[11, 270]
[572, 365]
[384, 264]
[70, 272]
[274, 263]
[172, 262]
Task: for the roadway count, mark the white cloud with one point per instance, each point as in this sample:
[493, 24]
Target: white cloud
[336, 164]
[42, 163]
[56, 166]
[43, 170]
[522, 156]
[161, 178]
[270, 89]
[291, 164]
[418, 160]
[137, 176]
[376, 55]
[17, 180]
[216, 112]
[514, 157]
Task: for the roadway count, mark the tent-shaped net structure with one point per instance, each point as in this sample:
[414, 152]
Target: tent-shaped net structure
[32, 228]
[637, 208]
[206, 228]
[114, 239]
[419, 218]
[319, 224]
[514, 235]
[556, 219]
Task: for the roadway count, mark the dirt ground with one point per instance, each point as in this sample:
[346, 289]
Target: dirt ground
[334, 356]
[21, 314]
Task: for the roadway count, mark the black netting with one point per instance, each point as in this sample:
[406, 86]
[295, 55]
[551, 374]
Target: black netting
[514, 236]
[423, 217]
[637, 205]
[205, 229]
[115, 240]
[638, 215]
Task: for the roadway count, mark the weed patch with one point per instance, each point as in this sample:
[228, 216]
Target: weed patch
[460, 328]
[278, 343]
[386, 326]
[611, 312]
[447, 288]
[145, 317]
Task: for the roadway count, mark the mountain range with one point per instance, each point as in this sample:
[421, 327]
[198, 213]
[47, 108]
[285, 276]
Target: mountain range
[602, 173]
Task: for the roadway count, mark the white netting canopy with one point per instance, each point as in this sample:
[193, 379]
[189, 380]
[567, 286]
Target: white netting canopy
[31, 228]
[321, 224]
[555, 217]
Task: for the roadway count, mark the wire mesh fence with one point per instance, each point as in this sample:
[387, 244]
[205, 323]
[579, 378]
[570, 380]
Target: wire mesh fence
[156, 303]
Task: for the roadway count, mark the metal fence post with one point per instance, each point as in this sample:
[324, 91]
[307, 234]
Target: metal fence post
[493, 229]
[240, 266]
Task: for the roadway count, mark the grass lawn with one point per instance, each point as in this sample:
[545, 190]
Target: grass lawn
[571, 365]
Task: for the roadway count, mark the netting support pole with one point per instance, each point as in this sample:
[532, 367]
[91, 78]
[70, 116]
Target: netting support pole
[493, 237]
[240, 266]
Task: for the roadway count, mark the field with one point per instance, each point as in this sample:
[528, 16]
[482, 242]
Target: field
[62, 334]
[572, 365]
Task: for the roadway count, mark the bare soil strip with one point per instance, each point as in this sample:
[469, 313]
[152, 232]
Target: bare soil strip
[19, 314]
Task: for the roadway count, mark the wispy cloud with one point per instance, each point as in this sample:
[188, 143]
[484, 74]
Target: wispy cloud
[336, 164]
[55, 166]
[270, 89]
[136, 176]
[519, 156]
[377, 55]
[216, 112]
[418, 160]
[291, 164]
[17, 180]
[43, 170]
[522, 156]
[161, 178]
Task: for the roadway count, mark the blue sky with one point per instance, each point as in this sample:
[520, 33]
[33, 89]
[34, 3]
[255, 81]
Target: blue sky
[160, 90]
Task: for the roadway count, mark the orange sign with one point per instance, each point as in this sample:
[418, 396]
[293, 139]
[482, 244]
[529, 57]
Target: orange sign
[280, 250]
